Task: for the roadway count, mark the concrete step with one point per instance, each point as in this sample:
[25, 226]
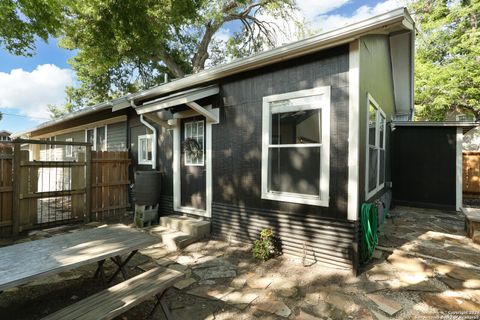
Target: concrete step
[172, 239]
[197, 228]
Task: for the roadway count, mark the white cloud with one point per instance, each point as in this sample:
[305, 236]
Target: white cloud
[223, 35]
[329, 22]
[31, 92]
[314, 8]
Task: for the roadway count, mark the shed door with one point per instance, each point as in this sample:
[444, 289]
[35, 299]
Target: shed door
[192, 163]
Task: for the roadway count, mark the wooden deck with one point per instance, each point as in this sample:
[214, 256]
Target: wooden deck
[24, 262]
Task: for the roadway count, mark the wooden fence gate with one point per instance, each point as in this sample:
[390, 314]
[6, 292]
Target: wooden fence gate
[6, 191]
[471, 173]
[109, 184]
[44, 183]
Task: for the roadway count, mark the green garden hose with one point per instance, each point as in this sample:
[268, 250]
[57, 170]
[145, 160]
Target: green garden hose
[369, 234]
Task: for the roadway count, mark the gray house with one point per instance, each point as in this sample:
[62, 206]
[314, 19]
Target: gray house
[294, 139]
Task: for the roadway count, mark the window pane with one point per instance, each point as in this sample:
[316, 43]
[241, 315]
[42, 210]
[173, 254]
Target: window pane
[195, 130]
[296, 127]
[382, 166]
[101, 146]
[90, 136]
[295, 170]
[188, 129]
[372, 169]
[149, 148]
[382, 131]
[372, 123]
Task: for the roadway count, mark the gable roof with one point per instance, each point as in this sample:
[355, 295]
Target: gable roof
[393, 21]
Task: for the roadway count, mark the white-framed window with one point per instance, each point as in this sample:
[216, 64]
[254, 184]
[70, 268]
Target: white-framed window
[376, 129]
[194, 143]
[145, 155]
[97, 137]
[69, 148]
[296, 147]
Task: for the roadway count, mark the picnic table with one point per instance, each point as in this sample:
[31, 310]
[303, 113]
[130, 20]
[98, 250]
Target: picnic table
[24, 262]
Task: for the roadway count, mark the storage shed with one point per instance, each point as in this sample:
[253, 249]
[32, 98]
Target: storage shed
[427, 163]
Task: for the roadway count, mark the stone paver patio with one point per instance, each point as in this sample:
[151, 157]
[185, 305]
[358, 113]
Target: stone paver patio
[426, 268]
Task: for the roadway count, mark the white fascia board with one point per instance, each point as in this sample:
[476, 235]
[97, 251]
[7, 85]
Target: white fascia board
[177, 99]
[70, 116]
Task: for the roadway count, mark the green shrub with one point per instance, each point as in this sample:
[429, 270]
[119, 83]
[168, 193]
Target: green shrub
[263, 249]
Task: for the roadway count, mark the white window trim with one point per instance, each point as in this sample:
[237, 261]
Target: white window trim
[94, 145]
[459, 170]
[371, 100]
[202, 163]
[69, 148]
[140, 159]
[353, 131]
[324, 105]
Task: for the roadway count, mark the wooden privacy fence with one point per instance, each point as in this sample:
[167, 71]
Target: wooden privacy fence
[109, 183]
[6, 191]
[471, 172]
[52, 182]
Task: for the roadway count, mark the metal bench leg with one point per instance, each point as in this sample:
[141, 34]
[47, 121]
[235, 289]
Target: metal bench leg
[100, 272]
[163, 305]
[121, 265]
[118, 261]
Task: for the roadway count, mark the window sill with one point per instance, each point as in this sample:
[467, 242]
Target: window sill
[374, 192]
[147, 163]
[313, 201]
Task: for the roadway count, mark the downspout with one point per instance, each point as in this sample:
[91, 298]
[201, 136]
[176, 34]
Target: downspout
[154, 140]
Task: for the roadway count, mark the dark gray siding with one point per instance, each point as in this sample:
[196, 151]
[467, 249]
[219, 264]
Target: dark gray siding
[238, 212]
[164, 154]
[237, 141]
[117, 136]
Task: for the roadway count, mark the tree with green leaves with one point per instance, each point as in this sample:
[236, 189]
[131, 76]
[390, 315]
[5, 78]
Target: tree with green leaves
[22, 21]
[447, 65]
[124, 46]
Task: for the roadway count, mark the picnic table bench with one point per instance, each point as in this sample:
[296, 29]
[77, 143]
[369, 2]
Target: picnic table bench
[114, 301]
[24, 262]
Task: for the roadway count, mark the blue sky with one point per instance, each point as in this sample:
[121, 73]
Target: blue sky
[29, 84]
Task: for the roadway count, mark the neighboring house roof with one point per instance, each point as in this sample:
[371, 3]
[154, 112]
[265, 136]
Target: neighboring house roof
[5, 133]
[396, 20]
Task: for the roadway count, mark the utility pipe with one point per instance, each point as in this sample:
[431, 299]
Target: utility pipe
[154, 141]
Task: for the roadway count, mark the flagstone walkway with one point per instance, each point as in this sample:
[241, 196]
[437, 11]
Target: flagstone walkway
[426, 268]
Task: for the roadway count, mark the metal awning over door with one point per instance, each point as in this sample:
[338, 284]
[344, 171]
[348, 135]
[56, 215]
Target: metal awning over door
[189, 97]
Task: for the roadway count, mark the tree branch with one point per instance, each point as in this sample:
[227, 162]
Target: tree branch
[171, 64]
[198, 61]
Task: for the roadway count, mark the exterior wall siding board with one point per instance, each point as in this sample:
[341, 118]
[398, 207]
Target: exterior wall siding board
[77, 136]
[319, 233]
[376, 79]
[164, 152]
[245, 223]
[117, 136]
